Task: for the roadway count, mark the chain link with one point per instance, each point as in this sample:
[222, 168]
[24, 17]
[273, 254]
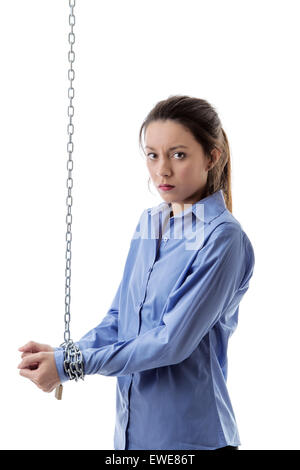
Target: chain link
[73, 362]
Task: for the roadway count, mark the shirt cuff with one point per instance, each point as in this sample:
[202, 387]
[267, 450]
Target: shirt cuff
[59, 357]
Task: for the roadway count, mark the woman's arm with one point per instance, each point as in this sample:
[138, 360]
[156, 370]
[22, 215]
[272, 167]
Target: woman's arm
[102, 335]
[223, 266]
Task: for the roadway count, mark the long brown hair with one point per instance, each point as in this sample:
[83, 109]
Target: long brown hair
[202, 120]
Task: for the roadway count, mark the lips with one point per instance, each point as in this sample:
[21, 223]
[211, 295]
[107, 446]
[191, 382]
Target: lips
[165, 187]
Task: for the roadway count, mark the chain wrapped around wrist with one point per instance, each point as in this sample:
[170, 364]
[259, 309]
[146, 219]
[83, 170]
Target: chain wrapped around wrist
[73, 361]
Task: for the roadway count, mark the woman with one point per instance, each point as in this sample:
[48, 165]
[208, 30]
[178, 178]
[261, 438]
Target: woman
[189, 264]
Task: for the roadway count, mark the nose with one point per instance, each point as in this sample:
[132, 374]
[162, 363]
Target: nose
[163, 169]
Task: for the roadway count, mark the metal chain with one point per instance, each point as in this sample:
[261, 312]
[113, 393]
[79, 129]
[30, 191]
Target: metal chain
[73, 362]
[70, 148]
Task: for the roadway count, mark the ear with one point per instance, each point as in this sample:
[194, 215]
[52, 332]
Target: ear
[215, 155]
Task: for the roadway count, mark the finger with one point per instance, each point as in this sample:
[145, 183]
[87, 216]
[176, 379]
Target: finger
[34, 364]
[25, 346]
[30, 359]
[29, 374]
[31, 346]
[27, 354]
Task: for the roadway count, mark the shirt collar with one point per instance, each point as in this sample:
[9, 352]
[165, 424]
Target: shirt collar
[206, 209]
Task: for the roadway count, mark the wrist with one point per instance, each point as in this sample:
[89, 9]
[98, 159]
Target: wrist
[59, 360]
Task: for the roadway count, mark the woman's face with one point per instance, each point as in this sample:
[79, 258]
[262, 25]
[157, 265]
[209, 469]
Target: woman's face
[184, 167]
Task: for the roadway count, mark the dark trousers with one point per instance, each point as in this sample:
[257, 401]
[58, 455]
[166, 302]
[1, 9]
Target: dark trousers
[228, 448]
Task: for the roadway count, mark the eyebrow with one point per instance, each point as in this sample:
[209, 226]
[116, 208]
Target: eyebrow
[171, 148]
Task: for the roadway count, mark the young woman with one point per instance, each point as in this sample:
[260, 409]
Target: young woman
[189, 264]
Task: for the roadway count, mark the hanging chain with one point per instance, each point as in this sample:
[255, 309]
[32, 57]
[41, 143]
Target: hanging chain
[73, 363]
[70, 148]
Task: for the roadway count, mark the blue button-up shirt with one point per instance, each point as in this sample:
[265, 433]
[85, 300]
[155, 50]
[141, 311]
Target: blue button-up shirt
[166, 333]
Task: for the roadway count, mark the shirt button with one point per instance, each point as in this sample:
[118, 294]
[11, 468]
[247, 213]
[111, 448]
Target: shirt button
[141, 304]
[150, 269]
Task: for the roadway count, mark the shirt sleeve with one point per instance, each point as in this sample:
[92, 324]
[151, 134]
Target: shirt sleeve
[102, 335]
[222, 267]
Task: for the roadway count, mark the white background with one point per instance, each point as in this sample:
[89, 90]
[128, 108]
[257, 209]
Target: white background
[241, 56]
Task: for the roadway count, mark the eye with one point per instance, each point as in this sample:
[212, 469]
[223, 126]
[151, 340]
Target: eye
[150, 154]
[180, 153]
[177, 153]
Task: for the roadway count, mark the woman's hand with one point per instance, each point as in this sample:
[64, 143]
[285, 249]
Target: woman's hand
[33, 347]
[39, 366]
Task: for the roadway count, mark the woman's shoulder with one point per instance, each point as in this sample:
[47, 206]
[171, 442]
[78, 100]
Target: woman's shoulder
[229, 227]
[227, 222]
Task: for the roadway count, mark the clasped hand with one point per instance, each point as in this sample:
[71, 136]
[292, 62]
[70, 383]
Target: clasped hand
[39, 365]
